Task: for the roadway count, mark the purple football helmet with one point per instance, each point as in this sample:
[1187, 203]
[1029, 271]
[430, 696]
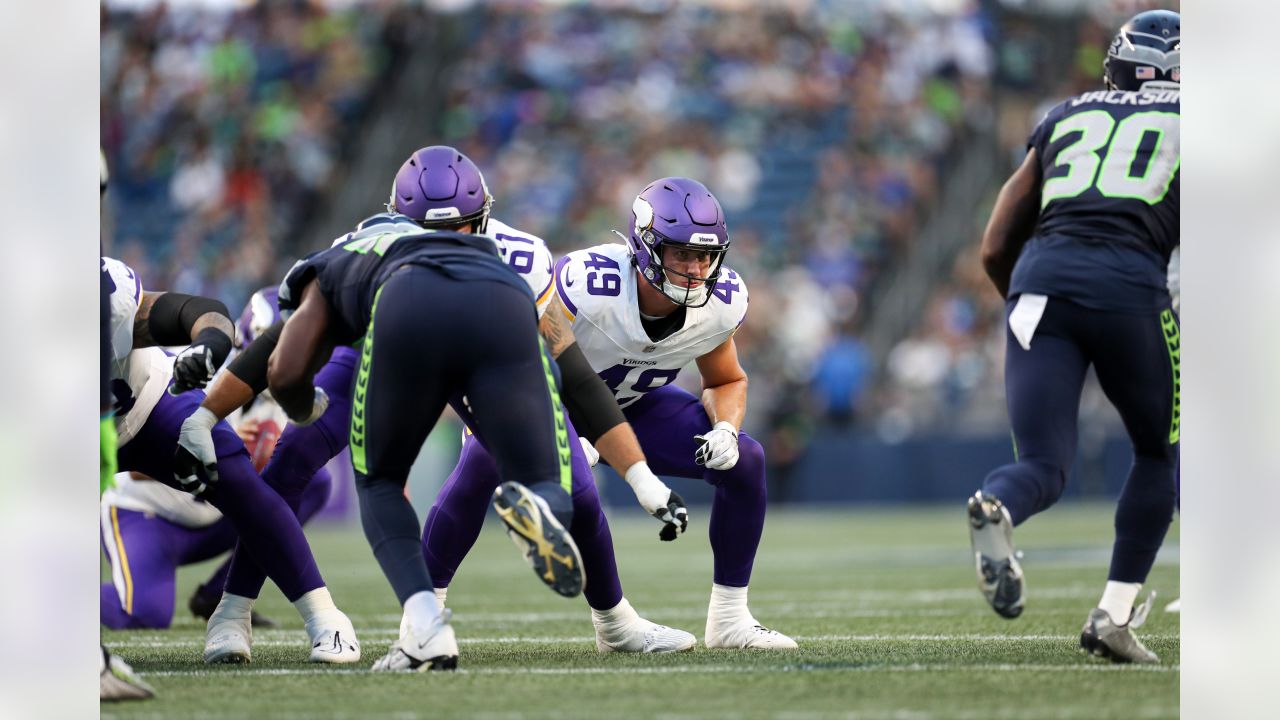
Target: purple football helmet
[681, 213]
[261, 313]
[439, 187]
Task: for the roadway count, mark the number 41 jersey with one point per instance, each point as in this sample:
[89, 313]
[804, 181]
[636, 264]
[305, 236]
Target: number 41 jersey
[1110, 163]
[598, 288]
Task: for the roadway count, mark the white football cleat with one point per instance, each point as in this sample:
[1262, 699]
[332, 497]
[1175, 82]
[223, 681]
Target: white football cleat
[744, 632]
[433, 648]
[641, 636]
[118, 681]
[333, 639]
[228, 636]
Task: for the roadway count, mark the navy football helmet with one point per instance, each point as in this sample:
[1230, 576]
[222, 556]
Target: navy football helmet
[1146, 53]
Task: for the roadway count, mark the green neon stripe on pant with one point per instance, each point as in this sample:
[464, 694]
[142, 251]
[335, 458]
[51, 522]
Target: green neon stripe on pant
[562, 432]
[1173, 340]
[362, 383]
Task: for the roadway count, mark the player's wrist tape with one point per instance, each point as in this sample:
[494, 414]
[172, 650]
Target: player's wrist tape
[592, 407]
[650, 491]
[174, 314]
[202, 417]
[251, 364]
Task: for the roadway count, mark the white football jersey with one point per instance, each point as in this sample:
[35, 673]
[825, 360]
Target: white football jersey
[146, 371]
[526, 254]
[598, 288]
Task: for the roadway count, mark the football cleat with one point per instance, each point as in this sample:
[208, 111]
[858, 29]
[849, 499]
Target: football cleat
[1102, 637]
[541, 539]
[228, 639]
[118, 681]
[744, 633]
[333, 639]
[996, 562]
[641, 636]
[1174, 607]
[435, 648]
[203, 603]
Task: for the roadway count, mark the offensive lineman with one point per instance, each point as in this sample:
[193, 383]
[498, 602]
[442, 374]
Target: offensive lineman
[1078, 243]
[640, 312]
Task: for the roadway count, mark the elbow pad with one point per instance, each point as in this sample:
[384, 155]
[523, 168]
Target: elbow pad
[591, 406]
[174, 314]
[251, 364]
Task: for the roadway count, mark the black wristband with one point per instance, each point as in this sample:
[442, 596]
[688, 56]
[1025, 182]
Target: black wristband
[174, 314]
[217, 341]
[250, 366]
[592, 407]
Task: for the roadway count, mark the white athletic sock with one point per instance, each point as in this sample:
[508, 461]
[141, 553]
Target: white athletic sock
[421, 609]
[1117, 600]
[313, 604]
[441, 594]
[620, 614]
[235, 605]
[728, 602]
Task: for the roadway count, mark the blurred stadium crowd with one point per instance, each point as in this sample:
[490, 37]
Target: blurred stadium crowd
[827, 130]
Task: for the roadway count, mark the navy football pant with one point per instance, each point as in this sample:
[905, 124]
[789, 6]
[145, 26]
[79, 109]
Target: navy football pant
[1136, 358]
[431, 337]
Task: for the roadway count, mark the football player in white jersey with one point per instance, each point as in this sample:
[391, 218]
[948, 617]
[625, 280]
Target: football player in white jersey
[640, 312]
[150, 404]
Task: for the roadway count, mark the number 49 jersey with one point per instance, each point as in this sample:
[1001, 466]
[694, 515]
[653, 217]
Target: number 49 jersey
[1109, 202]
[598, 288]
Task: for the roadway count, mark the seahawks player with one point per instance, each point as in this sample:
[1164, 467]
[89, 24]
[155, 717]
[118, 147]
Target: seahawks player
[148, 386]
[640, 312]
[529, 516]
[1078, 243]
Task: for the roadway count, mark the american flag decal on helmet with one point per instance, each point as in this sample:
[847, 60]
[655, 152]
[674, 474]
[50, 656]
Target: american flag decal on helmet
[1144, 72]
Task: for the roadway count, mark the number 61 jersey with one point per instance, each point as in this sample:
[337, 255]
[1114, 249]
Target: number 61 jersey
[598, 288]
[1110, 162]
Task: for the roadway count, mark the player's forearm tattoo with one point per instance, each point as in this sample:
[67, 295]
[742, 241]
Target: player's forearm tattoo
[142, 320]
[555, 328]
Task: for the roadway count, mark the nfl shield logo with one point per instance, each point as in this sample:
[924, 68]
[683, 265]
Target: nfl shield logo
[1145, 72]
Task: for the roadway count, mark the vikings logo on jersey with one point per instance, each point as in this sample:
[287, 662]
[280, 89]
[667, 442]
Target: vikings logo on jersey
[598, 288]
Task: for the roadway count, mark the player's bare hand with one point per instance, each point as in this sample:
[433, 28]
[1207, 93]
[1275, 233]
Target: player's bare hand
[248, 431]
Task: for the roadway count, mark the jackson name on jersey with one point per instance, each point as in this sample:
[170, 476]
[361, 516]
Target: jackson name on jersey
[598, 288]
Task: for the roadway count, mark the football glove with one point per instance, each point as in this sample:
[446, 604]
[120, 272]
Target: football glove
[718, 449]
[593, 455]
[659, 501]
[195, 462]
[192, 368]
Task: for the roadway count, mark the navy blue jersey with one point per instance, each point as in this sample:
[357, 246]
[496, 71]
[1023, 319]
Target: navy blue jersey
[350, 273]
[1109, 201]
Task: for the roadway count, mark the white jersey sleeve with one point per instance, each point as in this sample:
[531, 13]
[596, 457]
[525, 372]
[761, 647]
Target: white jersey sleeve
[126, 295]
[599, 291]
[526, 254]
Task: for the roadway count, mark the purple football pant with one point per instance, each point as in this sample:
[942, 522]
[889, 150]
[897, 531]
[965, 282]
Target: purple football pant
[265, 525]
[146, 551]
[454, 522]
[300, 454]
[665, 421]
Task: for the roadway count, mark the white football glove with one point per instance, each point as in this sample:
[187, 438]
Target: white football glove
[718, 449]
[658, 500]
[196, 453]
[593, 455]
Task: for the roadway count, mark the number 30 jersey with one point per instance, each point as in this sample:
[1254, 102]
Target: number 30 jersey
[598, 288]
[1110, 162]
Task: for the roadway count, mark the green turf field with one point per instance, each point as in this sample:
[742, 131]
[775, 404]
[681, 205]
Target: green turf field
[883, 603]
